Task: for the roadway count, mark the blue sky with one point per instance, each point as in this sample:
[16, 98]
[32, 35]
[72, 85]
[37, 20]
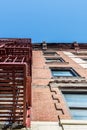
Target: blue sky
[44, 20]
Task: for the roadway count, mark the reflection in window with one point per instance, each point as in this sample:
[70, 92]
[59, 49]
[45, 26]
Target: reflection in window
[77, 103]
[59, 72]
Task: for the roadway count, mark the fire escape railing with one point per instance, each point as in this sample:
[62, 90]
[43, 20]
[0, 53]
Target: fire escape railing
[15, 83]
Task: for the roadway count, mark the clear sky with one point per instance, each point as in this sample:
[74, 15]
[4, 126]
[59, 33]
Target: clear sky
[44, 20]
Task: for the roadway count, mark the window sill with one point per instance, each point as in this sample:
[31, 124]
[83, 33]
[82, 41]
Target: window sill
[73, 122]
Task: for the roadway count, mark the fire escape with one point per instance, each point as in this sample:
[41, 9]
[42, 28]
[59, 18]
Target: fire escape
[15, 82]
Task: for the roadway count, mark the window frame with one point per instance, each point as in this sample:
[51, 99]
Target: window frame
[54, 59]
[73, 72]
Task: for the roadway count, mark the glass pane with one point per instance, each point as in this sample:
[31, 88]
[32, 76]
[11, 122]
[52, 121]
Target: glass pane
[53, 60]
[76, 100]
[79, 114]
[62, 73]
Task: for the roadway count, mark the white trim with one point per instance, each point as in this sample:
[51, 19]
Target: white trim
[73, 122]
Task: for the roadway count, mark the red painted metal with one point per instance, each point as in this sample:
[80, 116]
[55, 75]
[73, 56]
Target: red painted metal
[15, 81]
[28, 117]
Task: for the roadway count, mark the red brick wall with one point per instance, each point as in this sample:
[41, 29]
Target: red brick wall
[43, 105]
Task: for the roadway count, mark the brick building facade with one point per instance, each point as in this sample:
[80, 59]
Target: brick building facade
[59, 84]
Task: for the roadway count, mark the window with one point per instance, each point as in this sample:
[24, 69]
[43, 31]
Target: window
[77, 103]
[85, 59]
[63, 72]
[50, 60]
[48, 53]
